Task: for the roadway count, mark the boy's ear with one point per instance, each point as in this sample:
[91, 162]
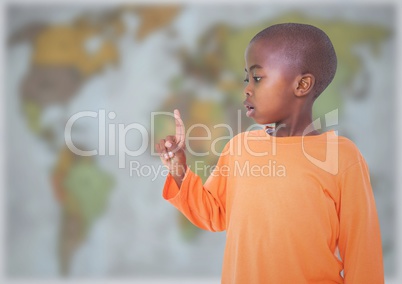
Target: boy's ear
[304, 84]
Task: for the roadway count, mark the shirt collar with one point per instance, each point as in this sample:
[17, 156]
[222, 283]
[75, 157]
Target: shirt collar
[269, 129]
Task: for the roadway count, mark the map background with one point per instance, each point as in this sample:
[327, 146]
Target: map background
[44, 266]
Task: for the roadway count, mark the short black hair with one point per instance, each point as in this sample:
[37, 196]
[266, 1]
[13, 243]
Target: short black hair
[308, 48]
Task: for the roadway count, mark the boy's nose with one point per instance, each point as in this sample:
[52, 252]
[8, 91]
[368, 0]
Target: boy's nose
[247, 92]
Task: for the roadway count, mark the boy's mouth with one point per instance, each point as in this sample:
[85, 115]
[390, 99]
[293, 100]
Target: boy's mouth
[250, 109]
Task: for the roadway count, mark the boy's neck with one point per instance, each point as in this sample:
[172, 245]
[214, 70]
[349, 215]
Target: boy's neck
[296, 125]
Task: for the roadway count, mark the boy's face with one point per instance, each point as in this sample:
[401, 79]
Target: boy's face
[269, 91]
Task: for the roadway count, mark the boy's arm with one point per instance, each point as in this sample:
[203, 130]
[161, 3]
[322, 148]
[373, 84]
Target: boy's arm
[359, 236]
[204, 205]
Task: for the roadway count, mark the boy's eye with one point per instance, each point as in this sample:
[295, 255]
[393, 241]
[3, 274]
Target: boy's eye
[255, 78]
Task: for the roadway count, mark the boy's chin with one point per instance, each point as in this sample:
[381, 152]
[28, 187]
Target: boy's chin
[262, 121]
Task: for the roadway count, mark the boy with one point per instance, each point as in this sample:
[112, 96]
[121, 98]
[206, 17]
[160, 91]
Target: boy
[312, 221]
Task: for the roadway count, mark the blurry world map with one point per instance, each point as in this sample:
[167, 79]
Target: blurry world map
[87, 216]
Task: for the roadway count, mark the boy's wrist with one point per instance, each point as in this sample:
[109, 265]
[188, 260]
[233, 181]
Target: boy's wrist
[179, 176]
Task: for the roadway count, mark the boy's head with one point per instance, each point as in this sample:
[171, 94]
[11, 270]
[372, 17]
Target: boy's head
[289, 64]
[306, 48]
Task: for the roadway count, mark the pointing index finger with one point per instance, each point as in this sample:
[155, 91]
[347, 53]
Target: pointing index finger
[180, 135]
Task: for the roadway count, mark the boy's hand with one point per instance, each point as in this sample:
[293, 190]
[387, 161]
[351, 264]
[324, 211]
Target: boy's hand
[171, 150]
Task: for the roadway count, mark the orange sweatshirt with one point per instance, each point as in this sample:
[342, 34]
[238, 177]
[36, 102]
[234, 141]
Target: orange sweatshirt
[295, 210]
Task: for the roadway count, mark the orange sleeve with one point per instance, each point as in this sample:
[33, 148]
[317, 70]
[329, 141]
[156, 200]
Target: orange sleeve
[203, 205]
[359, 237]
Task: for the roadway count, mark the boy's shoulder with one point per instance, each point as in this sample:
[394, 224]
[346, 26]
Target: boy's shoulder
[343, 149]
[347, 145]
[349, 153]
[339, 150]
